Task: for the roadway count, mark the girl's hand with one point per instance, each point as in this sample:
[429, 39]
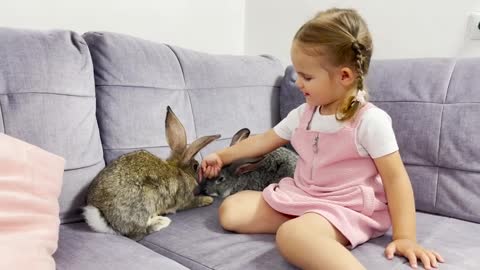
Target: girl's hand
[411, 250]
[211, 165]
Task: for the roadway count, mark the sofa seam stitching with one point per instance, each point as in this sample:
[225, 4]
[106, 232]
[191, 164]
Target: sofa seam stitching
[3, 117]
[440, 167]
[422, 102]
[183, 256]
[178, 89]
[86, 166]
[193, 117]
[440, 135]
[45, 93]
[150, 147]
[179, 63]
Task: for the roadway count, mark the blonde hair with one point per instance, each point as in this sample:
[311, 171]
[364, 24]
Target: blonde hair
[343, 36]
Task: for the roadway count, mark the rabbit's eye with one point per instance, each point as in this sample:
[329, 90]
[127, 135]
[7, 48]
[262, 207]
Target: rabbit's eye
[195, 167]
[220, 179]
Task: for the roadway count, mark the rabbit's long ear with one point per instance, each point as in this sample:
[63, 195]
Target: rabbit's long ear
[175, 132]
[242, 134]
[245, 165]
[196, 146]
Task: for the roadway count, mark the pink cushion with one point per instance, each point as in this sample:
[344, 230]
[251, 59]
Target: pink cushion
[30, 183]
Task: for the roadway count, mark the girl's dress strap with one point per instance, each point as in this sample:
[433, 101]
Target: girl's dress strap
[307, 116]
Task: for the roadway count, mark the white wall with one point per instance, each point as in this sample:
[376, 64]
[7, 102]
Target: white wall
[400, 29]
[214, 26]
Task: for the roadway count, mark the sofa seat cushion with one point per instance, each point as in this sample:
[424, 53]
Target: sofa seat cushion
[79, 248]
[196, 240]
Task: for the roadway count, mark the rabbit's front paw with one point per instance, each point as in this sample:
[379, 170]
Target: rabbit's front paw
[157, 223]
[198, 201]
[204, 200]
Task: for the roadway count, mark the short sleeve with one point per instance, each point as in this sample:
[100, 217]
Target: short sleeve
[285, 128]
[375, 133]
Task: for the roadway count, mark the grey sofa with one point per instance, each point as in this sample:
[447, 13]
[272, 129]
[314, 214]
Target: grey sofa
[94, 97]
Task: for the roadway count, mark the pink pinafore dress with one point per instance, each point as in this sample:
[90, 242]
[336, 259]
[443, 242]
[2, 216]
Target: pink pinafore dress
[333, 180]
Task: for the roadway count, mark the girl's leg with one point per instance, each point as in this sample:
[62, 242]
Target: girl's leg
[311, 242]
[247, 212]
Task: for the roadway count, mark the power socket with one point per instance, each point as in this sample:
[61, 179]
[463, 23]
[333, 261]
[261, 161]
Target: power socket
[474, 25]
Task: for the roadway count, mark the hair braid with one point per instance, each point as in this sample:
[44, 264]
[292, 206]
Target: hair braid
[359, 61]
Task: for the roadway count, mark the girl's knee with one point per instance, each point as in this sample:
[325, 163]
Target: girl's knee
[285, 233]
[246, 212]
[293, 230]
[227, 215]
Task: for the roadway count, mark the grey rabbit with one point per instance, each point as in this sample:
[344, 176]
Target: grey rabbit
[253, 173]
[131, 194]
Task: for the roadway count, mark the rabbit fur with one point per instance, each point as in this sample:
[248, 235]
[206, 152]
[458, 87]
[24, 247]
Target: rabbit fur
[131, 195]
[251, 174]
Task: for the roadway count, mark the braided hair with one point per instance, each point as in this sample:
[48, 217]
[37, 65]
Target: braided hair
[358, 49]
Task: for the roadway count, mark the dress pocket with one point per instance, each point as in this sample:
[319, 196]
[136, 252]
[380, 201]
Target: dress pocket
[368, 198]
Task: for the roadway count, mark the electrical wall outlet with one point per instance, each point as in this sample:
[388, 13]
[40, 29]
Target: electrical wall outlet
[474, 25]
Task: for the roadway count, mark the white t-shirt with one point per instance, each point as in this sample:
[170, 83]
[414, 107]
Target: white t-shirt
[375, 136]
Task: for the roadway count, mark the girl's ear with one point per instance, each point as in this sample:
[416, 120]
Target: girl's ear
[347, 77]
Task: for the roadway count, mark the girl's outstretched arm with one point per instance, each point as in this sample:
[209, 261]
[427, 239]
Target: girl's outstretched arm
[253, 146]
[401, 205]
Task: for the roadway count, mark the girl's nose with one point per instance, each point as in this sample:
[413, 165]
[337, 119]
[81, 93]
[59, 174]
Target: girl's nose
[299, 84]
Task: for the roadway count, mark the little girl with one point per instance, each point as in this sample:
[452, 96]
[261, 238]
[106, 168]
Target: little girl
[350, 184]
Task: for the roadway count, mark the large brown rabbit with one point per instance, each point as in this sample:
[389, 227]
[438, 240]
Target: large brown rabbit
[131, 194]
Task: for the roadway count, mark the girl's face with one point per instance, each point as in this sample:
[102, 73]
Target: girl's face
[321, 83]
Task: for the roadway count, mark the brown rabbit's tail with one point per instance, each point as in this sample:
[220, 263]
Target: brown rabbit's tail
[96, 221]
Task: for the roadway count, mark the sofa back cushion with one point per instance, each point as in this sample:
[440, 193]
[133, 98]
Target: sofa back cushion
[435, 108]
[47, 98]
[211, 94]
